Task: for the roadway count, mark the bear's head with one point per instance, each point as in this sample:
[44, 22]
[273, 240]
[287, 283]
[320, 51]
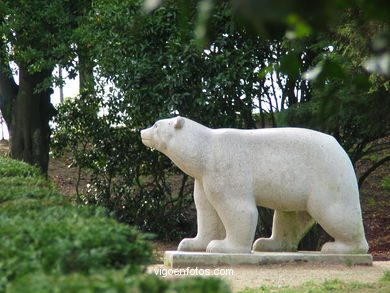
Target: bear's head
[160, 135]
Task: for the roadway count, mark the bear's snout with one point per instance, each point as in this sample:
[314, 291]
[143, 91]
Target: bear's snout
[146, 137]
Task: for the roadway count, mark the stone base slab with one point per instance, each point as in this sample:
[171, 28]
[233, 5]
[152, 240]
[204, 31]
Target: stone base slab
[192, 259]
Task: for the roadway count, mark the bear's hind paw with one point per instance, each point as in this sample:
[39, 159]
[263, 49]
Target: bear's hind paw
[192, 244]
[224, 246]
[270, 244]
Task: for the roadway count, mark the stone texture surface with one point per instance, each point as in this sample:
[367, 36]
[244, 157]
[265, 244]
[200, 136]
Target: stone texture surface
[198, 259]
[304, 175]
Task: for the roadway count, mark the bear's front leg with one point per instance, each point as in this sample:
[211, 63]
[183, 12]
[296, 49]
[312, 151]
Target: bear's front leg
[210, 226]
[237, 209]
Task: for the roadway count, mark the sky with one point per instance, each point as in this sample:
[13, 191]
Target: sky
[71, 89]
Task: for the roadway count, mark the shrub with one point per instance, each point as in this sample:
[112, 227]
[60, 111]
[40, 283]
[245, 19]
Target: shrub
[104, 281]
[20, 180]
[50, 245]
[114, 281]
[41, 232]
[157, 71]
[200, 285]
[68, 239]
[12, 188]
[128, 179]
[9, 167]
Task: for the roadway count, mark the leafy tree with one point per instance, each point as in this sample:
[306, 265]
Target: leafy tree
[288, 69]
[349, 100]
[349, 87]
[157, 71]
[36, 35]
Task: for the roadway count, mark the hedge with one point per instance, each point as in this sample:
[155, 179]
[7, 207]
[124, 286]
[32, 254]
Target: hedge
[47, 244]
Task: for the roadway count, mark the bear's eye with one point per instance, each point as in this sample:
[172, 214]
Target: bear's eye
[155, 125]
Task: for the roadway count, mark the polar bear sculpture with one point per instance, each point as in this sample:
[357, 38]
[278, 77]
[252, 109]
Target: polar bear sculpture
[304, 175]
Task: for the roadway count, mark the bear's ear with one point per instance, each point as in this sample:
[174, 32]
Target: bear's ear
[179, 122]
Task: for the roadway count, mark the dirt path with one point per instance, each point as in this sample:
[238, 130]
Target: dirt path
[282, 275]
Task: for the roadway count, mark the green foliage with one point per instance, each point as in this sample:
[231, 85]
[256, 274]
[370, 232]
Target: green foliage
[158, 71]
[386, 278]
[346, 103]
[104, 281]
[348, 38]
[41, 34]
[69, 240]
[12, 188]
[386, 183]
[199, 285]
[41, 233]
[122, 179]
[154, 68]
[114, 281]
[49, 245]
[12, 168]
[19, 180]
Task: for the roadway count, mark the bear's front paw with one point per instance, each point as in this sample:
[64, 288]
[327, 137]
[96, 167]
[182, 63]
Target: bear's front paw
[192, 244]
[224, 246]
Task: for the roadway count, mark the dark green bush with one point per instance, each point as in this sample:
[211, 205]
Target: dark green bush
[68, 239]
[42, 233]
[104, 281]
[50, 245]
[200, 285]
[114, 282]
[28, 205]
[12, 188]
[126, 177]
[9, 167]
[19, 180]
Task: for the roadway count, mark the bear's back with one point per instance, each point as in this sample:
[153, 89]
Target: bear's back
[283, 139]
[280, 162]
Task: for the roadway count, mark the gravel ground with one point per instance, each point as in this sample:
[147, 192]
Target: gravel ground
[282, 275]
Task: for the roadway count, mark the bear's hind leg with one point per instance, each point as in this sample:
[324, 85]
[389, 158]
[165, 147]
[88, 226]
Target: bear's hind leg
[210, 226]
[288, 229]
[344, 224]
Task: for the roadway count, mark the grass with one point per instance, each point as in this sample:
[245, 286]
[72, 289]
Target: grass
[12, 168]
[382, 286]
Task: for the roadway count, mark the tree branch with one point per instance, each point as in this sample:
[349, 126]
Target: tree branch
[371, 169]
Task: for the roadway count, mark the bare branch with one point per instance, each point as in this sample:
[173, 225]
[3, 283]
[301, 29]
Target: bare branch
[372, 168]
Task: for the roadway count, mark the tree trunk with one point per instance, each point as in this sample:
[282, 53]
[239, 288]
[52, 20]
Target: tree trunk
[8, 93]
[30, 129]
[85, 70]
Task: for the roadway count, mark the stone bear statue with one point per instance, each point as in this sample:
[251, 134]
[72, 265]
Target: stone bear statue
[304, 175]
